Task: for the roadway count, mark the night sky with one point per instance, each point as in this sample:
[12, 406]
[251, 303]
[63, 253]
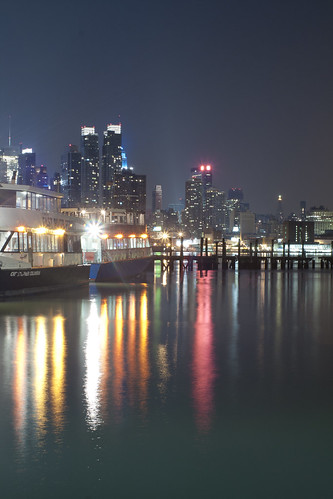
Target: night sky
[244, 85]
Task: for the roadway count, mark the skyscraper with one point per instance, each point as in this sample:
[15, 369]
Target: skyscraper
[196, 199]
[193, 206]
[90, 180]
[42, 178]
[9, 163]
[71, 171]
[215, 210]
[113, 158]
[27, 167]
[157, 198]
[130, 191]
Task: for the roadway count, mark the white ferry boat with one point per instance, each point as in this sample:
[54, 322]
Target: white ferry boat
[40, 248]
[115, 244]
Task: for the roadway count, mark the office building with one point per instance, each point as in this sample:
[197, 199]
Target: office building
[90, 180]
[113, 162]
[193, 213]
[298, 231]
[71, 172]
[215, 210]
[27, 167]
[322, 220]
[157, 198]
[9, 163]
[129, 191]
[236, 193]
[247, 224]
[42, 178]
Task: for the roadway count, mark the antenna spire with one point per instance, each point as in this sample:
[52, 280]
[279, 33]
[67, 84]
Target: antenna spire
[9, 134]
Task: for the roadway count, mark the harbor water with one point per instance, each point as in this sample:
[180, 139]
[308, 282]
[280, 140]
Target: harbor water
[212, 384]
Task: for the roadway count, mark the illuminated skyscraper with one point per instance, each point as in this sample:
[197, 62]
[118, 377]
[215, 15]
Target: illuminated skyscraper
[90, 180]
[194, 206]
[215, 210]
[9, 164]
[196, 199]
[113, 159]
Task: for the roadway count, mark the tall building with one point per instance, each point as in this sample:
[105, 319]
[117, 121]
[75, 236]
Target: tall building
[130, 191]
[157, 198]
[298, 231]
[203, 174]
[42, 178]
[113, 161]
[27, 167]
[71, 171]
[215, 210]
[193, 212]
[9, 163]
[90, 180]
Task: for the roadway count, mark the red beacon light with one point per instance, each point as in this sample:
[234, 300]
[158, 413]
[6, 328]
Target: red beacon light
[202, 168]
[208, 167]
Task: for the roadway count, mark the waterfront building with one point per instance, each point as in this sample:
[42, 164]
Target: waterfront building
[113, 162]
[90, 180]
[298, 231]
[71, 171]
[322, 219]
[157, 198]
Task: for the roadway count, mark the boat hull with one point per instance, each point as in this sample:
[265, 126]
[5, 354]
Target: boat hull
[121, 270]
[15, 282]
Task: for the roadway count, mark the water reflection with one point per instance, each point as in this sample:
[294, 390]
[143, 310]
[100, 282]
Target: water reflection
[20, 386]
[118, 357]
[93, 368]
[140, 363]
[203, 367]
[40, 379]
[58, 373]
[143, 351]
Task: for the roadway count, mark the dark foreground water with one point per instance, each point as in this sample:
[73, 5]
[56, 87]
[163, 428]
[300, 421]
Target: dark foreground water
[212, 386]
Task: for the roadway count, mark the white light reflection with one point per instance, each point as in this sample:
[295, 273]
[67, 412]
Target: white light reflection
[93, 369]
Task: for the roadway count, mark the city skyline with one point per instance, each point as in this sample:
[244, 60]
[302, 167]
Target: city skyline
[245, 87]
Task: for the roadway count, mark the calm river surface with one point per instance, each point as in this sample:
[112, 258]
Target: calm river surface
[219, 385]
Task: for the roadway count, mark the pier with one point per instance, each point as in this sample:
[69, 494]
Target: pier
[249, 259]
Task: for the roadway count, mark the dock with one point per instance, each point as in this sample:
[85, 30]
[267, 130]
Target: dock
[251, 259]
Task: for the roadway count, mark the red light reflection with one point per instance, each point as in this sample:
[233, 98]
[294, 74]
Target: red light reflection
[203, 366]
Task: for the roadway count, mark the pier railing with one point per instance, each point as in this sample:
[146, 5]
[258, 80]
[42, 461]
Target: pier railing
[243, 257]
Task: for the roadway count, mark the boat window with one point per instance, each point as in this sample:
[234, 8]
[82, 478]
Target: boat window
[7, 198]
[28, 200]
[21, 200]
[33, 201]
